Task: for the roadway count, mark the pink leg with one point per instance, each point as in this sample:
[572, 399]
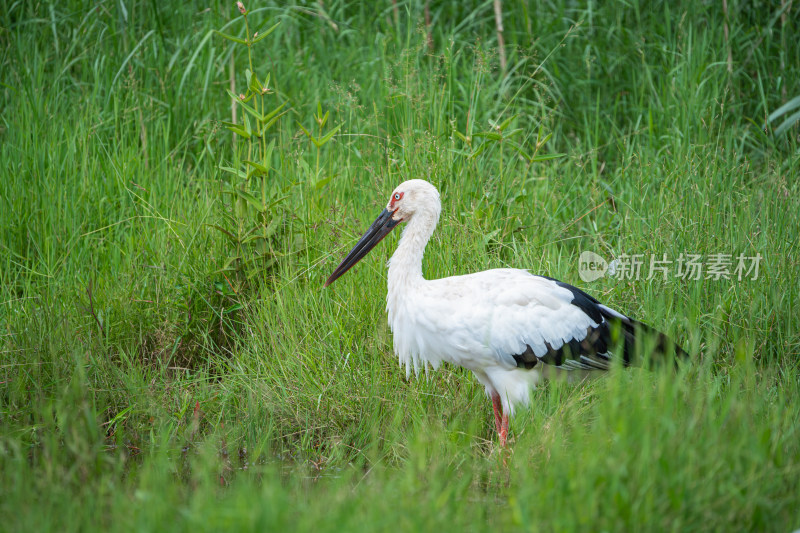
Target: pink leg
[497, 406]
[504, 430]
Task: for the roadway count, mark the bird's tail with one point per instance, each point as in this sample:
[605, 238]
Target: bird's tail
[640, 342]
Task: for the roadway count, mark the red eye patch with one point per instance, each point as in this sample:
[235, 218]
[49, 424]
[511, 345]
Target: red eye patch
[396, 197]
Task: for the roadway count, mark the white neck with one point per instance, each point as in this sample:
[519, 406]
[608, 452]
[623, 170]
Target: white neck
[405, 266]
[405, 282]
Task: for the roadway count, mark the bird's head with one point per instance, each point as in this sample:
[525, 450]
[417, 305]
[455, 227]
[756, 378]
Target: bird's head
[412, 199]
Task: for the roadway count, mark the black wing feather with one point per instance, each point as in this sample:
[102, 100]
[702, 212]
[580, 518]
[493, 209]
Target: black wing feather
[592, 352]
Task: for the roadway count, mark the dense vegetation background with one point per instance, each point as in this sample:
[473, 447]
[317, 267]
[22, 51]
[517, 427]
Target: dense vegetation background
[171, 361]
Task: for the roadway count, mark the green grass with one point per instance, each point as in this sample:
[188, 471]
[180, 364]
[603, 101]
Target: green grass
[145, 387]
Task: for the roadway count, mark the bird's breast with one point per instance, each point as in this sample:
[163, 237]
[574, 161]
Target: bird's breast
[429, 330]
[412, 344]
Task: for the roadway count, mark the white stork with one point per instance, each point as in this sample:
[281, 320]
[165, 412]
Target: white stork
[510, 327]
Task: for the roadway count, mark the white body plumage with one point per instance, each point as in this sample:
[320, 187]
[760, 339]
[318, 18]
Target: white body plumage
[479, 321]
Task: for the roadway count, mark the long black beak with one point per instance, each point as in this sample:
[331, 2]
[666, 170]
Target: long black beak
[376, 232]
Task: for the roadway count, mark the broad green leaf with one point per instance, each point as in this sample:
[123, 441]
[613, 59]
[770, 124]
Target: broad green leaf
[274, 111]
[250, 109]
[257, 166]
[323, 182]
[231, 259]
[247, 126]
[251, 231]
[276, 201]
[503, 125]
[785, 108]
[225, 232]
[478, 151]
[461, 136]
[231, 309]
[545, 157]
[540, 141]
[239, 131]
[230, 37]
[521, 150]
[251, 238]
[267, 32]
[234, 171]
[308, 133]
[250, 199]
[492, 136]
[328, 135]
[254, 172]
[254, 84]
[465, 153]
[268, 154]
[271, 122]
[490, 236]
[788, 123]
